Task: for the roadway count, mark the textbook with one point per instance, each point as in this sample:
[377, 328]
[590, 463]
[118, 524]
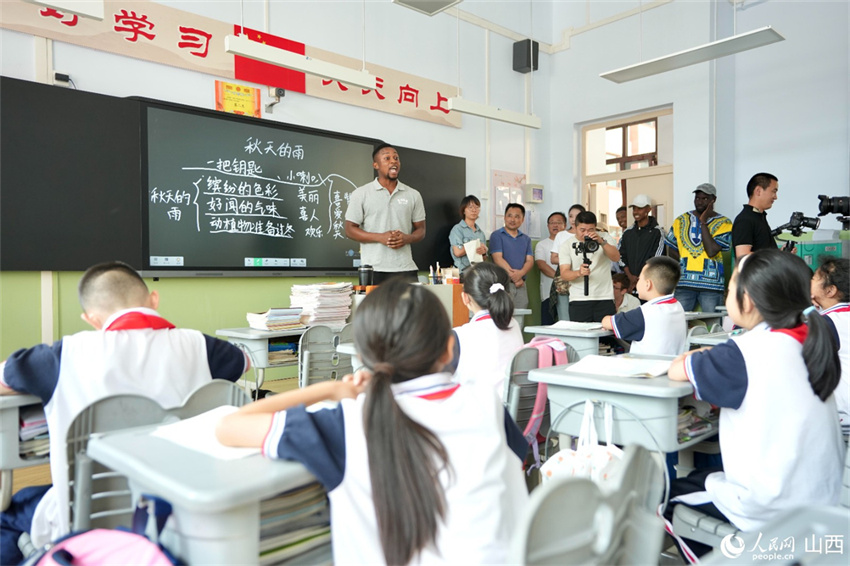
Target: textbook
[277, 319]
[621, 366]
[570, 325]
[323, 303]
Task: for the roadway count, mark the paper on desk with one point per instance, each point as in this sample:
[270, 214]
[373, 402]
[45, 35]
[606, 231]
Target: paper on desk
[570, 325]
[198, 434]
[472, 251]
[621, 366]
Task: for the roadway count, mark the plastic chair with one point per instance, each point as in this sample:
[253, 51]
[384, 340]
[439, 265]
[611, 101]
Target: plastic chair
[101, 498]
[318, 359]
[521, 393]
[716, 327]
[210, 395]
[572, 521]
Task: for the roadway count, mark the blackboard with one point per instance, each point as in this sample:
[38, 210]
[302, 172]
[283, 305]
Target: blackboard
[89, 178]
[234, 194]
[70, 180]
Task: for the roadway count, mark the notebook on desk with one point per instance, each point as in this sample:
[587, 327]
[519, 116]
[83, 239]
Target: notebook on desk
[570, 325]
[620, 366]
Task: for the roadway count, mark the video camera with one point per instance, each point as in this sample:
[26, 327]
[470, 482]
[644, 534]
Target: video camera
[796, 224]
[836, 205]
[588, 246]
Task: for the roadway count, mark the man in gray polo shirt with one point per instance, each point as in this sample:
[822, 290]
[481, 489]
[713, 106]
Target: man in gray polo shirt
[386, 216]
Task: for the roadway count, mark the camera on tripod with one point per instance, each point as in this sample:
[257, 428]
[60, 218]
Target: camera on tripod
[836, 205]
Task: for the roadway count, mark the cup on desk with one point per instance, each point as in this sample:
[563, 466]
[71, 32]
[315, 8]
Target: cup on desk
[366, 275]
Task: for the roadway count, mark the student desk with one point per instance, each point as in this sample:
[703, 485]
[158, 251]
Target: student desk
[654, 401]
[585, 342]
[710, 318]
[711, 339]
[256, 342]
[216, 503]
[10, 457]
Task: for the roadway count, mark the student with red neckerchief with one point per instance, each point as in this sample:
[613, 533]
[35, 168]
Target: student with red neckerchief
[132, 350]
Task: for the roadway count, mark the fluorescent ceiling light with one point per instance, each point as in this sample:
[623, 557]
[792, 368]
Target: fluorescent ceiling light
[85, 8]
[458, 104]
[427, 7]
[707, 52]
[241, 45]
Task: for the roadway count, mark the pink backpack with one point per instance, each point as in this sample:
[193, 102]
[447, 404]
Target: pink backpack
[550, 352]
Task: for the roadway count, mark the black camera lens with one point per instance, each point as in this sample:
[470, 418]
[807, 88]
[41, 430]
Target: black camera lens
[833, 205]
[590, 245]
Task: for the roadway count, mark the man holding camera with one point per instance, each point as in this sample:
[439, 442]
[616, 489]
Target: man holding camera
[588, 255]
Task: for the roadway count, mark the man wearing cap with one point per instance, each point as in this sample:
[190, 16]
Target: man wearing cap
[697, 239]
[641, 241]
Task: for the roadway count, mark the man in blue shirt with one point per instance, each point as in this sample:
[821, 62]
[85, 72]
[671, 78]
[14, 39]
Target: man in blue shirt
[511, 250]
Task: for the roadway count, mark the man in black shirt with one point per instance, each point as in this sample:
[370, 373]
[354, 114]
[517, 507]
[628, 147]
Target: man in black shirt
[641, 241]
[750, 230]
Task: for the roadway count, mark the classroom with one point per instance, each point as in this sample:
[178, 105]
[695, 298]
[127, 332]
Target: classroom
[783, 108]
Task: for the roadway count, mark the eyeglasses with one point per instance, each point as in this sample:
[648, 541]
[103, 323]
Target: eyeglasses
[473, 207]
[557, 223]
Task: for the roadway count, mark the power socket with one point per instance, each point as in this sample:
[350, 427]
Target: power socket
[62, 78]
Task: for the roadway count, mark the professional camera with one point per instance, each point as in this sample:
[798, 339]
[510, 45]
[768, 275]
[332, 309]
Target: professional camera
[796, 224]
[833, 205]
[588, 246]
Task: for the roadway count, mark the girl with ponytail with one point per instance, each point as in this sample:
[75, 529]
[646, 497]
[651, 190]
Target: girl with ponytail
[779, 435]
[417, 468]
[490, 339]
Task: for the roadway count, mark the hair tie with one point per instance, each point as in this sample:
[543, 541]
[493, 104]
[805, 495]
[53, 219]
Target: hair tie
[808, 311]
[496, 287]
[383, 368]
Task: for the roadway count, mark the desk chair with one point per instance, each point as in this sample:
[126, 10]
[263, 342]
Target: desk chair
[318, 359]
[571, 521]
[101, 498]
[692, 524]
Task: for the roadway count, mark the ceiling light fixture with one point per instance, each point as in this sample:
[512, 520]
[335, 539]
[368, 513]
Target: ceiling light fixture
[241, 45]
[458, 104]
[427, 7]
[714, 50]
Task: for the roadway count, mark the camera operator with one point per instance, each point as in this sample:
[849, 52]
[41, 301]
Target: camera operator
[588, 255]
[750, 230]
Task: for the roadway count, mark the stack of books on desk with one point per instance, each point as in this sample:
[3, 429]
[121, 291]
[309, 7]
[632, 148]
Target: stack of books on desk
[692, 425]
[35, 442]
[295, 527]
[281, 351]
[323, 303]
[277, 319]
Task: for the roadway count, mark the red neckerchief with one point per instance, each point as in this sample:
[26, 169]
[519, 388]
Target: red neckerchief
[437, 395]
[135, 320]
[798, 333]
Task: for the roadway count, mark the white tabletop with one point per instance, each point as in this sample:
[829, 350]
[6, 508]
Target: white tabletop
[10, 401]
[254, 334]
[696, 315]
[712, 339]
[553, 331]
[659, 386]
[190, 479]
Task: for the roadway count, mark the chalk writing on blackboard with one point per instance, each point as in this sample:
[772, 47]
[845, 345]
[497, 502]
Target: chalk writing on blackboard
[232, 196]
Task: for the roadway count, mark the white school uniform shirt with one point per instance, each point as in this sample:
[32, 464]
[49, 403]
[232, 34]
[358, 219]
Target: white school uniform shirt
[657, 328]
[486, 352]
[782, 446]
[840, 316]
[543, 251]
[485, 491]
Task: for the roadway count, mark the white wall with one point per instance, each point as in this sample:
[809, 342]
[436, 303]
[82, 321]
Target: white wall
[781, 108]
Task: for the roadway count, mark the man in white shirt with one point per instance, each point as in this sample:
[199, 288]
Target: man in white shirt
[556, 222]
[585, 261]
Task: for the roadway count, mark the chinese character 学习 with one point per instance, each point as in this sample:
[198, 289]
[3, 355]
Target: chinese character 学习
[192, 38]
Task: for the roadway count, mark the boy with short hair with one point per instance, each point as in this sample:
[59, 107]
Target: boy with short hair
[511, 250]
[131, 351]
[658, 327]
